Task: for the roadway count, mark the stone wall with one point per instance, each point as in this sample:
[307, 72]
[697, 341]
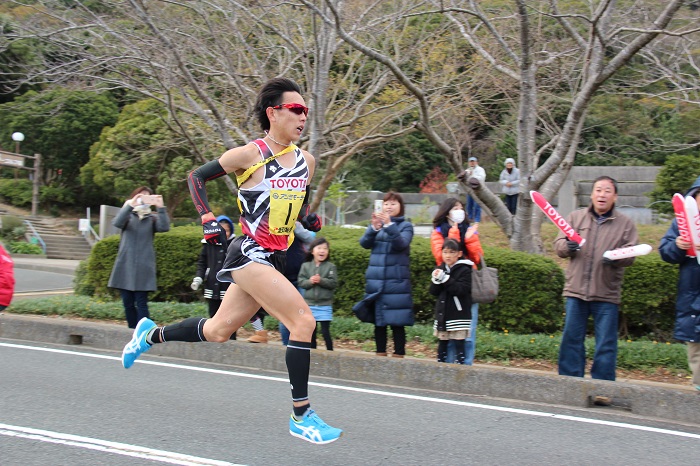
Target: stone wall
[634, 183]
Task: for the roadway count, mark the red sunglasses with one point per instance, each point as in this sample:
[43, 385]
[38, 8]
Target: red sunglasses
[296, 108]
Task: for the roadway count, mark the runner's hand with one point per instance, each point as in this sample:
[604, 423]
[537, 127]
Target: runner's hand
[213, 233]
[310, 221]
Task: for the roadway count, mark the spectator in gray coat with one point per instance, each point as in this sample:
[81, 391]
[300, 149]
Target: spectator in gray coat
[134, 272]
[509, 180]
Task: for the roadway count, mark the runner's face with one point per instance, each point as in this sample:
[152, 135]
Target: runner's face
[286, 124]
[603, 196]
[392, 207]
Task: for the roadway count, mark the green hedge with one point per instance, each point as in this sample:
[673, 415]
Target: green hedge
[529, 297]
[176, 263]
[529, 301]
[649, 298]
[524, 305]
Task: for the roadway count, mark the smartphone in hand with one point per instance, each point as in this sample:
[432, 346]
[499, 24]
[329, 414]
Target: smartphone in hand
[378, 206]
[149, 199]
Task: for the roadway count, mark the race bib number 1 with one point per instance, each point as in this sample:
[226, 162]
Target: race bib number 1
[284, 210]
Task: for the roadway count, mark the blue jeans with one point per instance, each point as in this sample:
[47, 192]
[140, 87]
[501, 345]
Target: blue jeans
[473, 210]
[135, 306]
[572, 353]
[470, 343]
[284, 333]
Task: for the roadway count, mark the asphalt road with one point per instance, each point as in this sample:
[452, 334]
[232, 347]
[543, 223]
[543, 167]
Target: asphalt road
[30, 282]
[77, 406]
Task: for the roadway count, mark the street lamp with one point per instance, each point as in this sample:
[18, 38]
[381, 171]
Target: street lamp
[17, 137]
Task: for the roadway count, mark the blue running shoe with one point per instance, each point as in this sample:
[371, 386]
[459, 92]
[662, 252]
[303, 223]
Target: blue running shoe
[312, 429]
[138, 343]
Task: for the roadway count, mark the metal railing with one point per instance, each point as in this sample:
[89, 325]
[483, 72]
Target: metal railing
[35, 234]
[91, 236]
[86, 229]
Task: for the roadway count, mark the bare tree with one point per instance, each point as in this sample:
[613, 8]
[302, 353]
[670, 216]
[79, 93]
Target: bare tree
[539, 47]
[373, 70]
[204, 61]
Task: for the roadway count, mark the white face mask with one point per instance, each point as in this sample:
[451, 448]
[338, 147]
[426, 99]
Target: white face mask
[457, 216]
[142, 210]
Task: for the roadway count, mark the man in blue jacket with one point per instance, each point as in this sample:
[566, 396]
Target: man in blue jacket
[674, 250]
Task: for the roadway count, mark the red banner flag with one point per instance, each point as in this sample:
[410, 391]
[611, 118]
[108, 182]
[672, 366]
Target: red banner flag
[691, 210]
[556, 218]
[682, 221]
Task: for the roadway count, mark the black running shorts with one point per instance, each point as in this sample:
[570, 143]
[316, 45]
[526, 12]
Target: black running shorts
[243, 251]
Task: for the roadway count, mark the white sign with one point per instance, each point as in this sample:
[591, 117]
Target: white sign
[84, 224]
[11, 160]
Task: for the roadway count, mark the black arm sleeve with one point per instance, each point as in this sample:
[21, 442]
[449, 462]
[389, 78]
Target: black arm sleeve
[305, 208]
[196, 180]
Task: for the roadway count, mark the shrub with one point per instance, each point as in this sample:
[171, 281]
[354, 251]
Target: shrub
[12, 227]
[16, 192]
[529, 297]
[676, 176]
[649, 298]
[18, 232]
[83, 287]
[18, 247]
[176, 262]
[54, 194]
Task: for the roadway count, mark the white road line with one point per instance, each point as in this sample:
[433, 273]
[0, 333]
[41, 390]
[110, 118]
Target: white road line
[526, 412]
[108, 447]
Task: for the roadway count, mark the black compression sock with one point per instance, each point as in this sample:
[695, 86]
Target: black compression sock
[298, 360]
[191, 329]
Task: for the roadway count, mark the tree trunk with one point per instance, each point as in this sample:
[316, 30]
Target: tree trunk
[523, 237]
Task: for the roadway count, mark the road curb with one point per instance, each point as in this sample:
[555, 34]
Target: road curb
[680, 404]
